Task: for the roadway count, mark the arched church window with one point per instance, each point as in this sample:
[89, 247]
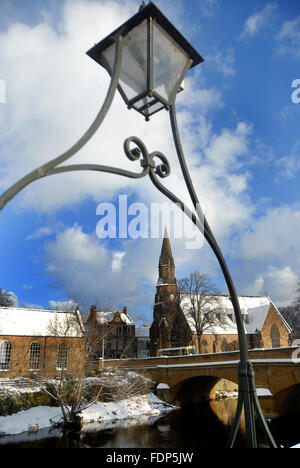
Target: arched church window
[34, 356]
[62, 356]
[5, 355]
[275, 336]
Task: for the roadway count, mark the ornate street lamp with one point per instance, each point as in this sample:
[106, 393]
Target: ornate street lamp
[147, 59]
[155, 60]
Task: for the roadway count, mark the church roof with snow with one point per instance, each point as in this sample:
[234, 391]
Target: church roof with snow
[254, 310]
[17, 321]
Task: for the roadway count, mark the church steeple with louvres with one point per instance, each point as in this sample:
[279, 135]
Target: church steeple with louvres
[168, 328]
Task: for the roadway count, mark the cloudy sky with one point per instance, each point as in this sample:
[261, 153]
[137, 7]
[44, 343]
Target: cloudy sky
[239, 122]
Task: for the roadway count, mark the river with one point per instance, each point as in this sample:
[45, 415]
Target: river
[205, 425]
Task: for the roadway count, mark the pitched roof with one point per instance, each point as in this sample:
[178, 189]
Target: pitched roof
[104, 317]
[254, 307]
[16, 321]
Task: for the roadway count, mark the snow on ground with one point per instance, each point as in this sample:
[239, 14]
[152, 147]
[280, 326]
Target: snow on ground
[140, 405]
[103, 413]
[18, 385]
[29, 420]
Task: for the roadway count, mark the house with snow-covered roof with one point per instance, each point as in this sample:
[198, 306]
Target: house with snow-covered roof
[177, 317]
[111, 334]
[40, 343]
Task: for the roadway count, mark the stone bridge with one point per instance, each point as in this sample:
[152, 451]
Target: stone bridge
[193, 378]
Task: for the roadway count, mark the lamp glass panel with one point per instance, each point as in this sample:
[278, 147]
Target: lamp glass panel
[133, 76]
[169, 61]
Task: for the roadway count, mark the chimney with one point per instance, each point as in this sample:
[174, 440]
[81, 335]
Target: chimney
[125, 310]
[93, 314]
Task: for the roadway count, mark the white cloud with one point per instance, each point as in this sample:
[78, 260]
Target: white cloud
[289, 165]
[224, 61]
[289, 38]
[273, 235]
[209, 7]
[117, 259]
[278, 283]
[27, 287]
[259, 20]
[62, 305]
[269, 252]
[43, 231]
[90, 272]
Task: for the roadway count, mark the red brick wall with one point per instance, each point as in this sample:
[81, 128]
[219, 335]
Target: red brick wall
[48, 356]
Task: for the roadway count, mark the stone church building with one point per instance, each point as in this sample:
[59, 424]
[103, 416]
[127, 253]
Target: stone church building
[174, 325]
[40, 343]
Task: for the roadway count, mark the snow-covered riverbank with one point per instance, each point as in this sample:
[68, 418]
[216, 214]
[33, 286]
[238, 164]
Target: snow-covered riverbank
[100, 414]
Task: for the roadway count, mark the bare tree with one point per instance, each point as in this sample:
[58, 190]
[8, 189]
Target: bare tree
[7, 299]
[296, 301]
[201, 304]
[292, 313]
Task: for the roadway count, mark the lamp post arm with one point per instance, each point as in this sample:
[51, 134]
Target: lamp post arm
[99, 168]
[247, 392]
[46, 169]
[208, 234]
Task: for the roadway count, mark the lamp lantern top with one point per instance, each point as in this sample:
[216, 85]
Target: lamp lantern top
[155, 59]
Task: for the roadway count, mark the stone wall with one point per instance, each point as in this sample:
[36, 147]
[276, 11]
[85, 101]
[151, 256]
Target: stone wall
[274, 320]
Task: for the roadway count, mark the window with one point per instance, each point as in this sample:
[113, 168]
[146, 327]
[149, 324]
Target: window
[120, 344]
[62, 356]
[34, 356]
[275, 336]
[5, 355]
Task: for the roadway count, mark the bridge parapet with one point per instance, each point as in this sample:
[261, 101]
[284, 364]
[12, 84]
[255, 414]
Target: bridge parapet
[254, 354]
[274, 368]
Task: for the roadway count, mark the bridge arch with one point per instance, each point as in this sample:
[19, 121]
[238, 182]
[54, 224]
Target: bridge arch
[200, 388]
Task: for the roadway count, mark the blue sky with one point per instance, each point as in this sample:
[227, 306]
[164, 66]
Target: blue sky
[239, 128]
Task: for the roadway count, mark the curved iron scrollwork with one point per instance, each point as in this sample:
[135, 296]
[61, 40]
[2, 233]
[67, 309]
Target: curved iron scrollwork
[148, 161]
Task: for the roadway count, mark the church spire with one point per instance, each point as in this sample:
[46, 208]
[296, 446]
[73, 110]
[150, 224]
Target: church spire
[166, 263]
[166, 256]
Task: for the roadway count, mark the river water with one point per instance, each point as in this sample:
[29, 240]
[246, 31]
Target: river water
[205, 425]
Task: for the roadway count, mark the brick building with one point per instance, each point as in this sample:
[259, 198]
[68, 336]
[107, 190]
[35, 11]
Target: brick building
[40, 343]
[174, 326]
[111, 334]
